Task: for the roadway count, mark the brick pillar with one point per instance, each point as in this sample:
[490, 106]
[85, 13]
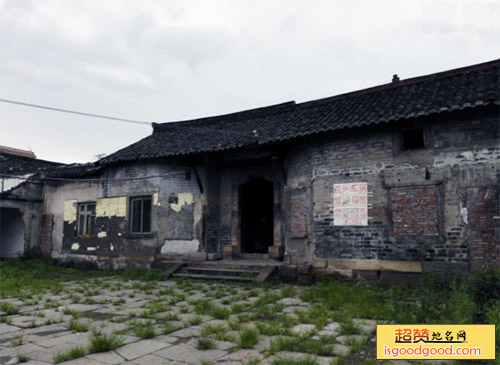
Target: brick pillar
[484, 227]
[212, 211]
[46, 234]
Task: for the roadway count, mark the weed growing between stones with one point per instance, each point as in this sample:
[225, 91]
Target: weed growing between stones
[204, 343]
[71, 354]
[145, 330]
[76, 326]
[23, 358]
[16, 341]
[248, 338]
[100, 341]
[288, 360]
[169, 327]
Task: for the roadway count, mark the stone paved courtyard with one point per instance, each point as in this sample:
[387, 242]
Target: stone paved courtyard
[174, 322]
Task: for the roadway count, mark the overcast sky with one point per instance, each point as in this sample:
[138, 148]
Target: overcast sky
[168, 60]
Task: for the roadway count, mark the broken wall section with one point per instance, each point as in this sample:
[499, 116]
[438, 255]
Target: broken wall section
[170, 220]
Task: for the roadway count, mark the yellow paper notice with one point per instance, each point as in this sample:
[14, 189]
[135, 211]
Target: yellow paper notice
[441, 342]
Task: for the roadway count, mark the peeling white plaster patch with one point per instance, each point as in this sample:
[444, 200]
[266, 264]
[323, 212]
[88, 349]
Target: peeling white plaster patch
[464, 214]
[111, 207]
[183, 198]
[102, 234]
[91, 248]
[180, 246]
[70, 211]
[75, 246]
[155, 199]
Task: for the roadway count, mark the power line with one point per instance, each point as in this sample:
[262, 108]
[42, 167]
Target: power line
[74, 112]
[222, 131]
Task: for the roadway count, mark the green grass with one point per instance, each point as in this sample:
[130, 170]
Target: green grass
[196, 320]
[220, 312]
[435, 298]
[287, 360]
[136, 273]
[5, 319]
[169, 327]
[217, 332]
[8, 307]
[204, 343]
[288, 291]
[37, 276]
[23, 358]
[76, 326]
[248, 338]
[299, 344]
[202, 306]
[101, 342]
[71, 354]
[349, 327]
[17, 341]
[145, 331]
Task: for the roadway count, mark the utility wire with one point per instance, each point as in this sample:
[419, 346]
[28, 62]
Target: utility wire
[124, 120]
[74, 112]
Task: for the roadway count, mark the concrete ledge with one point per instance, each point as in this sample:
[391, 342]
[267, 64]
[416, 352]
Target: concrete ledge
[375, 265]
[276, 252]
[227, 252]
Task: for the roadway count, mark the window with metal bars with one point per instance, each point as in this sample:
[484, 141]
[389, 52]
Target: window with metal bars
[86, 219]
[140, 214]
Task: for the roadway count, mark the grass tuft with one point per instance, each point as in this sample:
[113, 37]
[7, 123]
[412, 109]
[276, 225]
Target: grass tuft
[71, 354]
[248, 338]
[76, 326]
[145, 330]
[204, 343]
[101, 342]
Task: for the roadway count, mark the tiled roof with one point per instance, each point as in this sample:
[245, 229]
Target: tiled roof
[11, 164]
[458, 89]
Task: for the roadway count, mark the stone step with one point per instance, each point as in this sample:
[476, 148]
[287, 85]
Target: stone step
[211, 277]
[218, 271]
[236, 265]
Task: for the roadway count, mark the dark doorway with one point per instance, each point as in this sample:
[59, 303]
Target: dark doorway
[256, 206]
[11, 233]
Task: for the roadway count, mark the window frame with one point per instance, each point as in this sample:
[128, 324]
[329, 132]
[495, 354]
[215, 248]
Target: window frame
[86, 213]
[412, 130]
[140, 198]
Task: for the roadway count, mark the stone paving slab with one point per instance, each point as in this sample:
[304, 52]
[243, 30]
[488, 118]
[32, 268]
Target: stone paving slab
[154, 360]
[110, 357]
[6, 328]
[188, 354]
[240, 356]
[140, 348]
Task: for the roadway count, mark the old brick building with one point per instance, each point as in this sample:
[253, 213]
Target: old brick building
[402, 177]
[20, 201]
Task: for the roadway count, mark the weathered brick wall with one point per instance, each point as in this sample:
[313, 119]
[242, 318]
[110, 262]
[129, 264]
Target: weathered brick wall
[484, 226]
[298, 227]
[415, 211]
[298, 215]
[47, 223]
[416, 198]
[168, 222]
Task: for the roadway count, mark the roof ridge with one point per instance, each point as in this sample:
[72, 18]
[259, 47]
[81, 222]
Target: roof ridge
[404, 82]
[243, 114]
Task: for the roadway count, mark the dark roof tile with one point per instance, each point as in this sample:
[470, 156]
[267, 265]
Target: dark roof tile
[457, 89]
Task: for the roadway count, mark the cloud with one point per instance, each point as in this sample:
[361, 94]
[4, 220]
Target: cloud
[158, 60]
